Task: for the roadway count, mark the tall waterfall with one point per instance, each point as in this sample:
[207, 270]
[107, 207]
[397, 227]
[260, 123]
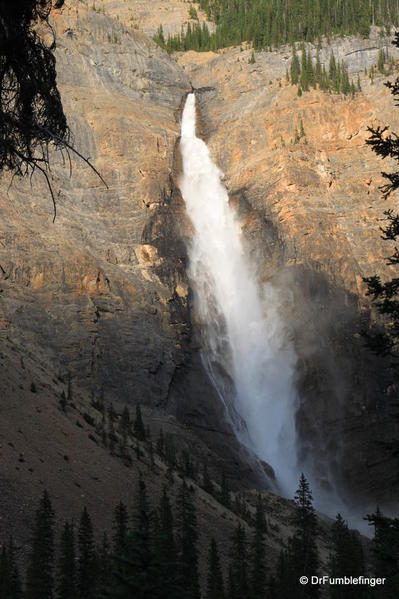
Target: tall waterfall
[245, 345]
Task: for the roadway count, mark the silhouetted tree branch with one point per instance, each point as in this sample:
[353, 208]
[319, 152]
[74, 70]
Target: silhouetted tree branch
[31, 112]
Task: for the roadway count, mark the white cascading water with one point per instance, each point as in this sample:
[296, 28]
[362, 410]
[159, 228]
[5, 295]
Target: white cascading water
[245, 345]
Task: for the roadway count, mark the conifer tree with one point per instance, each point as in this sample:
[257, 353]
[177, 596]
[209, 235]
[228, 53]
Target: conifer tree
[207, 484]
[304, 79]
[301, 129]
[381, 61]
[258, 555]
[87, 564]
[152, 460]
[170, 451]
[40, 573]
[295, 67]
[120, 529]
[285, 585]
[386, 552]
[214, 581]
[166, 551]
[104, 568]
[159, 37]
[111, 416]
[10, 582]
[224, 491]
[166, 542]
[125, 427]
[139, 429]
[238, 571]
[346, 560]
[137, 572]
[4, 573]
[161, 443]
[332, 70]
[66, 572]
[187, 541]
[303, 553]
[310, 70]
[318, 70]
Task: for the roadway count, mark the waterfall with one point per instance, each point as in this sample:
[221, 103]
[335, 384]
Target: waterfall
[246, 348]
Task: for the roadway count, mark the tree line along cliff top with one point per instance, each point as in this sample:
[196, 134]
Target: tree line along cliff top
[272, 23]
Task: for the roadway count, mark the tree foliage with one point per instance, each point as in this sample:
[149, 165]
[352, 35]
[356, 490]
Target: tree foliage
[31, 111]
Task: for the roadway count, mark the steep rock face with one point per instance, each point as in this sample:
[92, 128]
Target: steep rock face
[89, 289]
[310, 213]
[98, 300]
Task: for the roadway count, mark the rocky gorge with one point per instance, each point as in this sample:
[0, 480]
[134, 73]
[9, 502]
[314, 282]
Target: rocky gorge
[99, 302]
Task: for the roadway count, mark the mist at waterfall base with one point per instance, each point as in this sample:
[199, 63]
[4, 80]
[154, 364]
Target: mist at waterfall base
[246, 346]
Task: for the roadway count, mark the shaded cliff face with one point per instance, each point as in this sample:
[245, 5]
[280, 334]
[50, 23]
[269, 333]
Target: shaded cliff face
[310, 213]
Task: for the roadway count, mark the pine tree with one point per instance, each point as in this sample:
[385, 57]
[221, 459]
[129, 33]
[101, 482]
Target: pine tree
[238, 571]
[295, 67]
[318, 71]
[385, 294]
[104, 568]
[310, 71]
[166, 551]
[224, 491]
[304, 78]
[302, 552]
[152, 460]
[386, 551]
[187, 541]
[258, 556]
[138, 572]
[10, 582]
[159, 37]
[170, 451]
[87, 564]
[207, 484]
[4, 573]
[381, 61]
[161, 443]
[214, 582]
[103, 431]
[285, 584]
[69, 392]
[139, 429]
[332, 70]
[301, 130]
[125, 428]
[111, 415]
[63, 401]
[39, 578]
[346, 560]
[120, 529]
[66, 572]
